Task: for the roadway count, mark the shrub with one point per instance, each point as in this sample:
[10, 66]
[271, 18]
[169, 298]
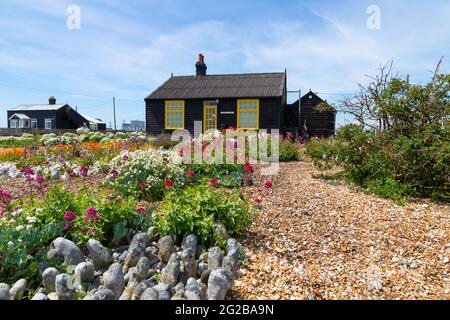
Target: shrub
[142, 173]
[196, 208]
[405, 150]
[288, 151]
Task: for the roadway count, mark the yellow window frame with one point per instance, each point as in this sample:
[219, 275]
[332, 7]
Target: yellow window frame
[168, 112]
[209, 105]
[239, 113]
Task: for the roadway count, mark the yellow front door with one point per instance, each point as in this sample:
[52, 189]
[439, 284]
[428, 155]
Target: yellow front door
[209, 115]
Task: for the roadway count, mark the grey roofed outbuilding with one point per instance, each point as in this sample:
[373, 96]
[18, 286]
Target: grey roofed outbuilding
[92, 119]
[250, 85]
[37, 107]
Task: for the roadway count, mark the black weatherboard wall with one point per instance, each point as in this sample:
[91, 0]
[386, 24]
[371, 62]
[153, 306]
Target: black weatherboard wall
[226, 89]
[318, 123]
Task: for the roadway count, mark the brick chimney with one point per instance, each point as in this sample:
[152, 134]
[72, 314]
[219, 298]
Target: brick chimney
[200, 66]
[52, 100]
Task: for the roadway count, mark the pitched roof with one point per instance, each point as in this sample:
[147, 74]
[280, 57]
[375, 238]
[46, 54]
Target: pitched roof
[37, 107]
[92, 119]
[250, 85]
[20, 116]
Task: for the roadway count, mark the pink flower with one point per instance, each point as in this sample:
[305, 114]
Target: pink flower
[125, 158]
[92, 232]
[268, 184]
[28, 171]
[258, 200]
[142, 186]
[69, 215]
[91, 214]
[114, 173]
[29, 179]
[68, 225]
[40, 179]
[83, 229]
[190, 173]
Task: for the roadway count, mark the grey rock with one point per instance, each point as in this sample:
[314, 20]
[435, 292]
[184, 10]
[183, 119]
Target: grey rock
[231, 264]
[18, 289]
[127, 294]
[233, 249]
[49, 278]
[99, 254]
[193, 290]
[42, 266]
[67, 249]
[190, 242]
[123, 256]
[151, 232]
[214, 258]
[160, 266]
[166, 248]
[220, 232]
[220, 281]
[164, 296]
[55, 174]
[205, 276]
[150, 294]
[188, 262]
[104, 295]
[113, 279]
[40, 296]
[65, 289]
[179, 287]
[142, 268]
[152, 257]
[136, 249]
[84, 273]
[162, 287]
[202, 267]
[140, 288]
[4, 292]
[183, 278]
[53, 296]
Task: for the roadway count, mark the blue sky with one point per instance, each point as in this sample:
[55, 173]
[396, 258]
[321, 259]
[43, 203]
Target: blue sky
[127, 49]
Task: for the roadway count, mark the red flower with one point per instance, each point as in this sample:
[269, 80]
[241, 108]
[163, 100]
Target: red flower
[268, 184]
[258, 200]
[40, 179]
[142, 186]
[168, 183]
[141, 210]
[214, 183]
[114, 173]
[190, 173]
[248, 179]
[125, 158]
[248, 168]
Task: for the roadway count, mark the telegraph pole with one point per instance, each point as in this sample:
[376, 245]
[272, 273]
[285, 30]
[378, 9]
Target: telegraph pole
[114, 110]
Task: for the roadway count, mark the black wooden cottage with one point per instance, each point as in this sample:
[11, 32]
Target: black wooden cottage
[51, 116]
[317, 117]
[246, 101]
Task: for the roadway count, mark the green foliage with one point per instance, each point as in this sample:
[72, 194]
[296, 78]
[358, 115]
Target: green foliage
[409, 154]
[196, 208]
[288, 152]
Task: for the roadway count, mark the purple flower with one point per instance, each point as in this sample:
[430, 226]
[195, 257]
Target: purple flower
[91, 214]
[69, 215]
[28, 171]
[40, 179]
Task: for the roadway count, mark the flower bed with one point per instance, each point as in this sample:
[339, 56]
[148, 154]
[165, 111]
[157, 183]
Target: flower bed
[199, 202]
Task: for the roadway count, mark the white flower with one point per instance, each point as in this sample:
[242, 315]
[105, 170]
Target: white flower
[10, 244]
[20, 228]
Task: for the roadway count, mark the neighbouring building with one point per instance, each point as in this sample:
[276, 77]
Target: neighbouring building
[317, 117]
[51, 116]
[250, 101]
[134, 125]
